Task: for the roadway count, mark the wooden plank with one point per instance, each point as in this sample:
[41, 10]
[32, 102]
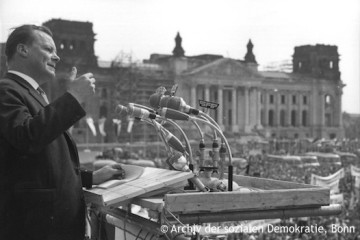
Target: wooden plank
[113, 198]
[91, 197]
[259, 200]
[153, 179]
[267, 184]
[164, 190]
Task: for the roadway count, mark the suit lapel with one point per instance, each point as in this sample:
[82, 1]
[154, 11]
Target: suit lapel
[27, 85]
[40, 99]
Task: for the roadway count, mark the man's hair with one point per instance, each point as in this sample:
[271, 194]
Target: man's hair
[22, 35]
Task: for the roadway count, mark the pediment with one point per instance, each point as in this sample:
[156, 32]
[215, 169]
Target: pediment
[225, 68]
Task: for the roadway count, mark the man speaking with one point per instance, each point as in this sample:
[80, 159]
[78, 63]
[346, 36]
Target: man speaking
[40, 178]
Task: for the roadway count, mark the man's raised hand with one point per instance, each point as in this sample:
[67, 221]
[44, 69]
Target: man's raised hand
[81, 87]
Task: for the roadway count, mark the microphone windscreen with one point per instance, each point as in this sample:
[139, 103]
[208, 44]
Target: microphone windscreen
[154, 100]
[164, 101]
[121, 110]
[174, 103]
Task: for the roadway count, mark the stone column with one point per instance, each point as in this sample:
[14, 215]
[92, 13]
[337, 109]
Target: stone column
[338, 94]
[234, 111]
[300, 97]
[288, 109]
[247, 109]
[340, 111]
[277, 109]
[322, 108]
[258, 108]
[266, 108]
[207, 93]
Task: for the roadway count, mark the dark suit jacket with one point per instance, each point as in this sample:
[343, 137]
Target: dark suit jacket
[40, 185]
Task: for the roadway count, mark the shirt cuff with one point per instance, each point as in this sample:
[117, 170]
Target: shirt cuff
[86, 178]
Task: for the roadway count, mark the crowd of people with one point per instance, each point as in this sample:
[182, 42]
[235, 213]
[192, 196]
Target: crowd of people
[348, 220]
[259, 166]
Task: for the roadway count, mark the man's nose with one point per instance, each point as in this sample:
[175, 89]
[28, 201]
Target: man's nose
[55, 57]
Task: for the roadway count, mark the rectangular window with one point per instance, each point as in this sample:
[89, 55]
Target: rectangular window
[282, 99]
[294, 99]
[304, 100]
[271, 98]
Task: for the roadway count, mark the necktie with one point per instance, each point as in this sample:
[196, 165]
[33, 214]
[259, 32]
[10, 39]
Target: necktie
[43, 94]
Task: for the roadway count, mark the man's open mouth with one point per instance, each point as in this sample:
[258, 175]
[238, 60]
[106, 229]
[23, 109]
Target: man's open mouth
[52, 65]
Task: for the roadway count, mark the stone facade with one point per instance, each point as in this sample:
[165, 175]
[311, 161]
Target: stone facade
[302, 104]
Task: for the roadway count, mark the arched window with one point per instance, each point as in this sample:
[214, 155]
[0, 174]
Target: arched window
[282, 118]
[271, 118]
[328, 100]
[304, 118]
[293, 118]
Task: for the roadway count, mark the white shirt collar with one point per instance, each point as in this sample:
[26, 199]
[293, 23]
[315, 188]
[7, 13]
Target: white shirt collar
[30, 80]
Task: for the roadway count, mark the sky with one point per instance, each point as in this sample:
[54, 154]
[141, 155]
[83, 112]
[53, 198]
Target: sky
[142, 27]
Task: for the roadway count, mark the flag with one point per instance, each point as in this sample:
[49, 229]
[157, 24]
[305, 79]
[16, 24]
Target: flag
[102, 126]
[331, 181]
[90, 123]
[337, 198]
[130, 125]
[117, 123]
[355, 171]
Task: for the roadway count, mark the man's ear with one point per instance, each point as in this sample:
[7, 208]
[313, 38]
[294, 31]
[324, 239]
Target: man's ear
[22, 50]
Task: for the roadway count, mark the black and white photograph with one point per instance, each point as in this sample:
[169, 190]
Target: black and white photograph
[180, 119]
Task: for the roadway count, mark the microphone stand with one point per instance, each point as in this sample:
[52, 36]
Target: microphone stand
[187, 117]
[230, 167]
[194, 180]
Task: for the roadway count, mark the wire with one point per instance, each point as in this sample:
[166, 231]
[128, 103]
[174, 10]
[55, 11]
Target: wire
[147, 235]
[138, 234]
[177, 219]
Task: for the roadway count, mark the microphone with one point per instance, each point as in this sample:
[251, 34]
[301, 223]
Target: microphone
[164, 101]
[173, 114]
[178, 162]
[171, 140]
[179, 104]
[154, 100]
[140, 112]
[133, 111]
[121, 110]
[157, 100]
